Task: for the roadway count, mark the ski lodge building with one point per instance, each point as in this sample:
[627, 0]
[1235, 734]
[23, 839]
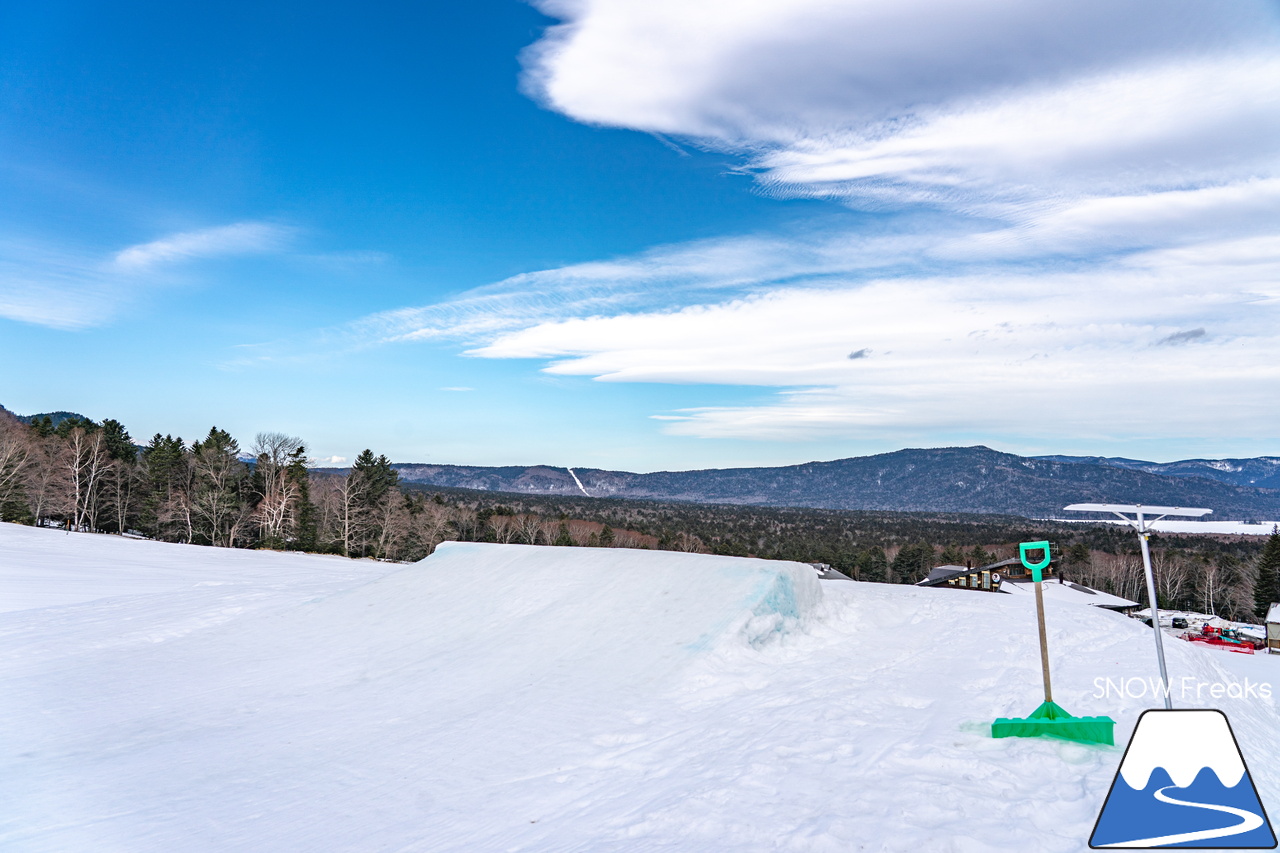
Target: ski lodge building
[1273, 629]
[1010, 576]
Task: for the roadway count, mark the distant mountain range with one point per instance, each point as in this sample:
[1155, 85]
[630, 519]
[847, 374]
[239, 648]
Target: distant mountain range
[54, 417]
[1263, 472]
[948, 479]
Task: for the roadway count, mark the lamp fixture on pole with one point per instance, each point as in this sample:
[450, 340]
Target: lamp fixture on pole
[1141, 522]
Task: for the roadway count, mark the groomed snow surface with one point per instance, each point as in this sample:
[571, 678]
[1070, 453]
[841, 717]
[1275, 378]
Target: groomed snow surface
[161, 697]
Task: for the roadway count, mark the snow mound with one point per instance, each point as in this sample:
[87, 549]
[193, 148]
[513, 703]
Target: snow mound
[500, 697]
[641, 609]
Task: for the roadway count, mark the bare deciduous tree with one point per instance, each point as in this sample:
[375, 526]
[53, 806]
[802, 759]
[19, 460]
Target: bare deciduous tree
[352, 523]
[391, 524]
[176, 511]
[687, 542]
[277, 507]
[548, 530]
[530, 528]
[44, 476]
[15, 454]
[506, 528]
[1171, 572]
[431, 525]
[121, 479]
[84, 463]
[217, 475]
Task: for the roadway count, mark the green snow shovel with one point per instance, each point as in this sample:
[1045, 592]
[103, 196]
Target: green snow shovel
[1050, 719]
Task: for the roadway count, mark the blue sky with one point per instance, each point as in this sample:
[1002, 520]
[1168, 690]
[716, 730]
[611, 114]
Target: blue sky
[645, 236]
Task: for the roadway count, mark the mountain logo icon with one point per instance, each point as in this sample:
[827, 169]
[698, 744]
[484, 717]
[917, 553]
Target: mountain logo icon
[1183, 783]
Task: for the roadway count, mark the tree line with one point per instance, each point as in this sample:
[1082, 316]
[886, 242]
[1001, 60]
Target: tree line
[1232, 576]
[91, 476]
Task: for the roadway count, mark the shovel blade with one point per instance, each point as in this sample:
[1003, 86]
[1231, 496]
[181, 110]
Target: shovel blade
[1050, 720]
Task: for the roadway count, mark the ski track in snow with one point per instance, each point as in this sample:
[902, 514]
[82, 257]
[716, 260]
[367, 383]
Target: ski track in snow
[247, 701]
[581, 487]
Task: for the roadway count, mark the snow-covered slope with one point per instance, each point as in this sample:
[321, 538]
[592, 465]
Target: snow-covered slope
[507, 698]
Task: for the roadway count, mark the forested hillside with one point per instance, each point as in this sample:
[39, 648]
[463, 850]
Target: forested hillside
[91, 476]
[944, 479]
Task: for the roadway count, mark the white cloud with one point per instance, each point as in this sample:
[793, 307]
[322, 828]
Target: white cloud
[1182, 124]
[328, 462]
[759, 69]
[1031, 354]
[1079, 230]
[1119, 164]
[49, 287]
[71, 288]
[1105, 224]
[666, 276]
[950, 321]
[1012, 110]
[236, 239]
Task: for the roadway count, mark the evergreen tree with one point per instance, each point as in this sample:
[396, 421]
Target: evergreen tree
[43, 427]
[118, 444]
[980, 556]
[307, 522]
[165, 470]
[1077, 555]
[64, 429]
[563, 538]
[912, 563]
[218, 485]
[873, 566]
[1266, 585]
[379, 477]
[376, 484]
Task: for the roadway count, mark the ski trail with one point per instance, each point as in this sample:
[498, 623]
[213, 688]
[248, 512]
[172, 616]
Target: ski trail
[579, 482]
[1249, 821]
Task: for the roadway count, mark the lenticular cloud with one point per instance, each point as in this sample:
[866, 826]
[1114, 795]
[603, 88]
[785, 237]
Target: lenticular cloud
[960, 102]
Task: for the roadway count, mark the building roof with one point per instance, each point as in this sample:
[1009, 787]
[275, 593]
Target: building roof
[1273, 615]
[1072, 593]
[942, 573]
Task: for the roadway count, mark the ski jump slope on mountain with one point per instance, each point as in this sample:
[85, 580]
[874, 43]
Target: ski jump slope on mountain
[163, 697]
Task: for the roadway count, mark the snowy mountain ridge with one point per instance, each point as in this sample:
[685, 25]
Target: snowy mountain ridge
[947, 479]
[1259, 471]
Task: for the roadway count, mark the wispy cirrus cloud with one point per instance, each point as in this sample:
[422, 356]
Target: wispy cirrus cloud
[65, 287]
[52, 287]
[666, 276]
[240, 238]
[905, 330]
[1082, 352]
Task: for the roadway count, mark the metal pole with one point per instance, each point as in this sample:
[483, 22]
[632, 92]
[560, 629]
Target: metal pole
[1155, 612]
[1044, 643]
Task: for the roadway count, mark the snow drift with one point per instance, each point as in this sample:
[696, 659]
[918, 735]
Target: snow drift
[502, 698]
